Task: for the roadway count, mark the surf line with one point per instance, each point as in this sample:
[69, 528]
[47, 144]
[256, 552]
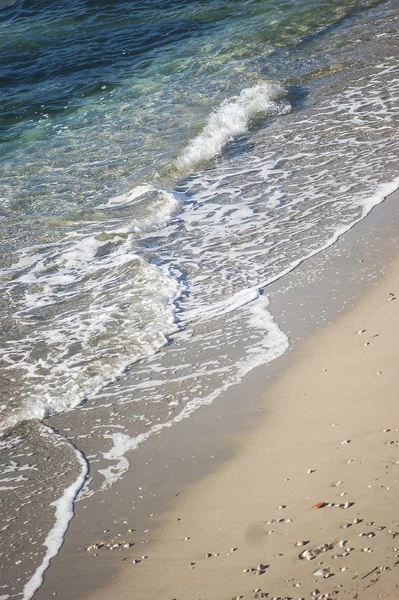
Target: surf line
[64, 513]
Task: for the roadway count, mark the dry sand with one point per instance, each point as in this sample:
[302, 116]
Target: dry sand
[331, 437]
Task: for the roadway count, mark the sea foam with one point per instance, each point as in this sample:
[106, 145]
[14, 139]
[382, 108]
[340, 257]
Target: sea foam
[63, 516]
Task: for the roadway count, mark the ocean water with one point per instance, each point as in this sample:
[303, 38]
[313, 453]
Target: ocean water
[161, 163]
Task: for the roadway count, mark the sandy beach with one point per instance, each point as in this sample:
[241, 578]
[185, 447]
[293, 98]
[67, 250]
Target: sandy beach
[306, 507]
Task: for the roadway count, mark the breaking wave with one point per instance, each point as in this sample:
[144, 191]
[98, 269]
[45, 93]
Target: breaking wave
[231, 119]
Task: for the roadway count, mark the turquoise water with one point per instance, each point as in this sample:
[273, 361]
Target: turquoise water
[158, 157]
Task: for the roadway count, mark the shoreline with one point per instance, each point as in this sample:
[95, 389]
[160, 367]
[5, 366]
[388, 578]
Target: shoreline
[187, 298]
[168, 466]
[326, 441]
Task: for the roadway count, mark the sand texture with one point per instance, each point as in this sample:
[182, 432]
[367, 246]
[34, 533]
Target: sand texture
[251, 529]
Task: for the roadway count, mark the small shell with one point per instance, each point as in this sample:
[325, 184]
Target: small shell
[319, 505]
[307, 554]
[325, 572]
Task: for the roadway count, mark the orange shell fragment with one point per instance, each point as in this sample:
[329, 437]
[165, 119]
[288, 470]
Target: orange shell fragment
[319, 505]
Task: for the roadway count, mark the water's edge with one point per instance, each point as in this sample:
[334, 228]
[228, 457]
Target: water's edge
[304, 301]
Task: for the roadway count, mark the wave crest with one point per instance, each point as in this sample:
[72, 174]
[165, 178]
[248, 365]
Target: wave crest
[231, 119]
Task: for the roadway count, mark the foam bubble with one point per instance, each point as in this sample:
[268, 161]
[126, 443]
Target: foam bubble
[230, 120]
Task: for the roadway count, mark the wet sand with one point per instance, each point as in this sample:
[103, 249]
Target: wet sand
[250, 528]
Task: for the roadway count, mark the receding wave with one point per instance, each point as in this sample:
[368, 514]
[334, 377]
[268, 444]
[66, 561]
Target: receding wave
[231, 119]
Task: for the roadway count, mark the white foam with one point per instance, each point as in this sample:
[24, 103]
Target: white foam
[230, 120]
[162, 210]
[63, 516]
[223, 307]
[380, 193]
[130, 313]
[153, 206]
